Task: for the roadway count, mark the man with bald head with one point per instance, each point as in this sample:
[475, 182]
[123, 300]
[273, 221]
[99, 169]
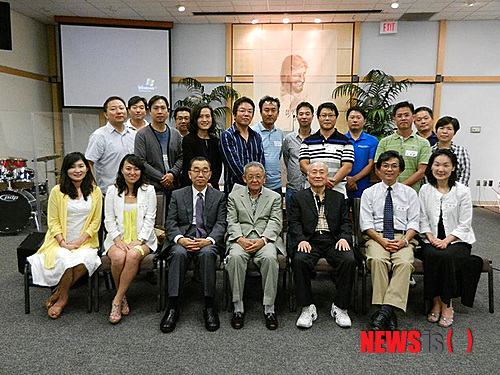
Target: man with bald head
[320, 228]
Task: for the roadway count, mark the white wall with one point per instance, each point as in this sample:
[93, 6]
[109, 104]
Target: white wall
[20, 97]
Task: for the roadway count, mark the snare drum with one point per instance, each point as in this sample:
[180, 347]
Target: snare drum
[23, 178]
[16, 208]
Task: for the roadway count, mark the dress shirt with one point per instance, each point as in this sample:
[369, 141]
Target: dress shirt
[405, 202]
[272, 141]
[106, 149]
[128, 123]
[291, 145]
[193, 220]
[237, 152]
[463, 162]
[457, 212]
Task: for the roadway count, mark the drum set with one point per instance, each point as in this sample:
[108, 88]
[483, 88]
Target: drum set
[18, 189]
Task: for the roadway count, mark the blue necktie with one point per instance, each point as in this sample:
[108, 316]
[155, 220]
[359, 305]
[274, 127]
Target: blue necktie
[388, 216]
[200, 225]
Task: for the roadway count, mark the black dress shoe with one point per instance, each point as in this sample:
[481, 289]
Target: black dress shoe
[380, 322]
[393, 322]
[212, 322]
[238, 320]
[169, 320]
[271, 321]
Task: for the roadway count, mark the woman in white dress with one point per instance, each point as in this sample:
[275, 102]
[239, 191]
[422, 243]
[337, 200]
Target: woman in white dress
[73, 219]
[130, 211]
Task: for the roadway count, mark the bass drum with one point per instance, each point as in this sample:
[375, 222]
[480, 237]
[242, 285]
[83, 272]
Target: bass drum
[15, 210]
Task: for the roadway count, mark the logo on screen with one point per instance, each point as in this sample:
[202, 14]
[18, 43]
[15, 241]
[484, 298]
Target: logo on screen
[148, 86]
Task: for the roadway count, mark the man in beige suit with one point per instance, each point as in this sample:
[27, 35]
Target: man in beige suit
[255, 221]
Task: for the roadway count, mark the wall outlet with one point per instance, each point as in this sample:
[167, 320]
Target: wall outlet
[485, 182]
[490, 183]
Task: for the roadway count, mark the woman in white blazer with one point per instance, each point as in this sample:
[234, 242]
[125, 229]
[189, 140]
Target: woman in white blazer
[445, 225]
[129, 217]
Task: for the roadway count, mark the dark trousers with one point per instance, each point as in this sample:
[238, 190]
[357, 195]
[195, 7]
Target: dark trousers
[204, 259]
[343, 262]
[451, 272]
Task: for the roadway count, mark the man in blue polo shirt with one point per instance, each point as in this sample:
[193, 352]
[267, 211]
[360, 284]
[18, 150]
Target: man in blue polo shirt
[365, 146]
[272, 140]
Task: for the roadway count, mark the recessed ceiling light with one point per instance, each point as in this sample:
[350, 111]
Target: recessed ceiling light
[395, 5]
[286, 20]
[181, 8]
[317, 20]
[255, 20]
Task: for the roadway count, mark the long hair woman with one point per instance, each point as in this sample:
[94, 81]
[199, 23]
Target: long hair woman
[71, 243]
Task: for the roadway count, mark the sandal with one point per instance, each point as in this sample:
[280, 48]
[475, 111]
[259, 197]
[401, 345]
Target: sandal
[125, 307]
[446, 322]
[433, 317]
[115, 316]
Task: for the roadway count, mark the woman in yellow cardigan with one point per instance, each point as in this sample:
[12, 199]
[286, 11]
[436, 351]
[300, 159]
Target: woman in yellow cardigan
[71, 243]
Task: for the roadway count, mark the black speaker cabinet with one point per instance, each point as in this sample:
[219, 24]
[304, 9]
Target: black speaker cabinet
[5, 28]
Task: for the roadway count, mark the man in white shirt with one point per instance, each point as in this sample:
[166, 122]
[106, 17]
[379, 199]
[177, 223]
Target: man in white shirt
[137, 107]
[389, 218]
[110, 143]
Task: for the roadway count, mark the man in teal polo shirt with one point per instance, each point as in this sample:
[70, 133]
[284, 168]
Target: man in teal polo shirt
[414, 149]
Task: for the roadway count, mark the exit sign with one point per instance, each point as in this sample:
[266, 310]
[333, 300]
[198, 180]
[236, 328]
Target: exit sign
[389, 27]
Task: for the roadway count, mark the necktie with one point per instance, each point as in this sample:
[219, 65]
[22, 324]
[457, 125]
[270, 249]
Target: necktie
[200, 225]
[388, 216]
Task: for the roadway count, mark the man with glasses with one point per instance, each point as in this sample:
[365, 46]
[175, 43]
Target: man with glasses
[195, 232]
[254, 224]
[182, 116]
[389, 218]
[414, 149]
[239, 144]
[329, 146]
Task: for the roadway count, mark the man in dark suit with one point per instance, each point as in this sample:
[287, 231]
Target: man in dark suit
[196, 224]
[320, 228]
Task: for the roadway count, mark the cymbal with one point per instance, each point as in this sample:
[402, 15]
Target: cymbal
[48, 157]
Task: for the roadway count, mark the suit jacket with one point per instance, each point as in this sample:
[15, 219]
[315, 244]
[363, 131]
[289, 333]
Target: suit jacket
[148, 148]
[304, 217]
[180, 215]
[146, 214]
[268, 219]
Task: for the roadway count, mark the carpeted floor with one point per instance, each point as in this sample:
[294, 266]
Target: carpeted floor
[82, 343]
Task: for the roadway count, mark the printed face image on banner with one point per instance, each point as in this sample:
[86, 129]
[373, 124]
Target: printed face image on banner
[294, 65]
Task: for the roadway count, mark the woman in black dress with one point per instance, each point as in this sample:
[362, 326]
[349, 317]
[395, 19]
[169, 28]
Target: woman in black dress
[202, 140]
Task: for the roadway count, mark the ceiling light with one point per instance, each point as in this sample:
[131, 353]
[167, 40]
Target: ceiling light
[395, 5]
[286, 20]
[181, 8]
[317, 20]
[254, 21]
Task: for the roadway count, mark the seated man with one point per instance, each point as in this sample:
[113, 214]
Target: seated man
[320, 228]
[390, 218]
[254, 224]
[196, 224]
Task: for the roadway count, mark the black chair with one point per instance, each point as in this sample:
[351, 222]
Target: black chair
[150, 263]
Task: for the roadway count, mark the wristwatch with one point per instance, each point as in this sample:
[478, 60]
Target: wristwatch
[406, 241]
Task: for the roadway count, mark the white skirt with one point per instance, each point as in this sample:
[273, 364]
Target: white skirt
[64, 259]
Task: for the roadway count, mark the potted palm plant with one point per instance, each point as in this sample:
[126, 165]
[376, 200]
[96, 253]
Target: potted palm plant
[216, 98]
[375, 94]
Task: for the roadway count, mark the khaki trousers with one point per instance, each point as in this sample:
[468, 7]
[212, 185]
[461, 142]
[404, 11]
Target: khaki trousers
[380, 262]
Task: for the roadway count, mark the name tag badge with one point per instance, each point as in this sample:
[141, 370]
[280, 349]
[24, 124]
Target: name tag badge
[277, 143]
[411, 153]
[402, 208]
[450, 205]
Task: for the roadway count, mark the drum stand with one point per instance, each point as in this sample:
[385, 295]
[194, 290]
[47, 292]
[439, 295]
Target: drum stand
[34, 216]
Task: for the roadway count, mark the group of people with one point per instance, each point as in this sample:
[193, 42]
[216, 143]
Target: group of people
[134, 161]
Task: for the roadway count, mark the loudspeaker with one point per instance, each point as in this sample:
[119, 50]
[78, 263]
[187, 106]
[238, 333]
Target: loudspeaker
[5, 29]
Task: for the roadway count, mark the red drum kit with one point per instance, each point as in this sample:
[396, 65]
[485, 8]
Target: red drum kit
[17, 190]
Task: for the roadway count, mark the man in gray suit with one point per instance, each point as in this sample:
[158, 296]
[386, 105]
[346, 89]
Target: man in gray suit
[255, 221]
[196, 224]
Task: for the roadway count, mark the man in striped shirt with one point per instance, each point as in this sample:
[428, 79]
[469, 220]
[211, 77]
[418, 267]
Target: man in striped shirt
[329, 146]
[239, 144]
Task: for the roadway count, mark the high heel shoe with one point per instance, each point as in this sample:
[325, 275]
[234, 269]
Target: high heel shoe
[446, 322]
[116, 314]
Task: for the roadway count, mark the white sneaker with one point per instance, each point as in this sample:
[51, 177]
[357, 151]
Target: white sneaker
[341, 317]
[307, 317]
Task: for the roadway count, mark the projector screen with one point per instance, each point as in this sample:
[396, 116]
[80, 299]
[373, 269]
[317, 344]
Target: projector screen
[98, 62]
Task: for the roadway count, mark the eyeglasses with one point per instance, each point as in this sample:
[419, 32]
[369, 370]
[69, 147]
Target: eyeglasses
[389, 166]
[197, 171]
[252, 177]
[243, 111]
